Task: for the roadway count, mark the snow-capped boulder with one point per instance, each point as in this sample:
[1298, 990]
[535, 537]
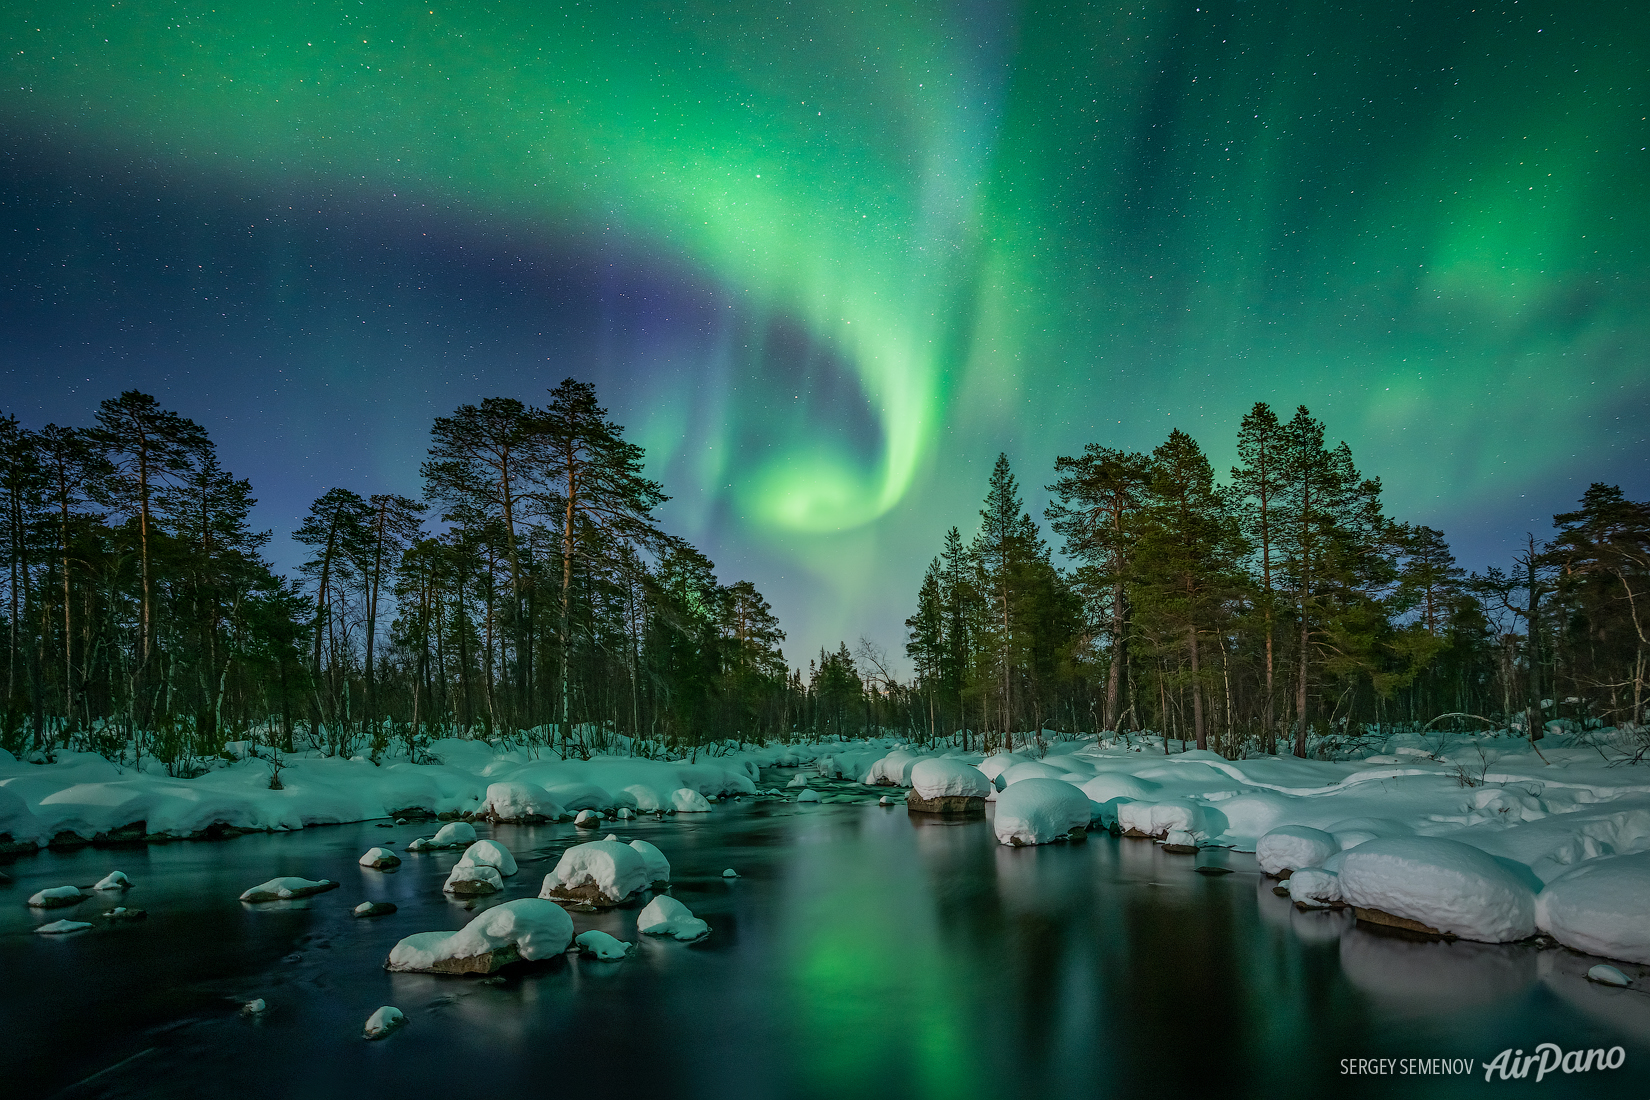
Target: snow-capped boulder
[588, 819]
[798, 780]
[665, 916]
[940, 785]
[520, 803]
[492, 854]
[379, 858]
[1315, 888]
[384, 1021]
[686, 800]
[454, 834]
[528, 928]
[599, 874]
[1601, 906]
[288, 888]
[658, 867]
[1290, 847]
[114, 880]
[808, 796]
[472, 879]
[374, 909]
[892, 770]
[1040, 811]
[603, 946]
[1605, 974]
[1435, 885]
[60, 927]
[56, 897]
[1159, 819]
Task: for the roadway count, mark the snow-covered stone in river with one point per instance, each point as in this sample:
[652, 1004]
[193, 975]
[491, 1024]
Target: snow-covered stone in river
[379, 858]
[1605, 974]
[665, 916]
[56, 897]
[454, 834]
[384, 1021]
[1289, 847]
[519, 802]
[1180, 842]
[255, 1007]
[808, 796]
[588, 819]
[993, 766]
[658, 867]
[374, 909]
[59, 927]
[1159, 819]
[1314, 887]
[114, 880]
[730, 873]
[287, 888]
[798, 781]
[601, 945]
[1601, 906]
[686, 800]
[1442, 884]
[941, 785]
[885, 801]
[601, 873]
[528, 928]
[1040, 811]
[893, 770]
[469, 879]
[492, 854]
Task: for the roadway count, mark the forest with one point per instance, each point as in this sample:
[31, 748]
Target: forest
[532, 596]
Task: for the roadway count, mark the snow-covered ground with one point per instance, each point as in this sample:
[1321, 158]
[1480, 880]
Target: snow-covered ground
[1556, 841]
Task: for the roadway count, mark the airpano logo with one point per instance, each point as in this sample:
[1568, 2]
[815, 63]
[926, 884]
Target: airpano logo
[1551, 1058]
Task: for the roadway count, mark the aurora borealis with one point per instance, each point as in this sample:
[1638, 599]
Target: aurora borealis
[827, 260]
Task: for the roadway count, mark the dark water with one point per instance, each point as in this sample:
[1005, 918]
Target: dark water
[862, 953]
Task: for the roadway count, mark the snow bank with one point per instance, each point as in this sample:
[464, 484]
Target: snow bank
[1029, 769]
[1602, 907]
[1109, 785]
[665, 916]
[1292, 847]
[527, 929]
[1040, 810]
[285, 889]
[658, 867]
[937, 777]
[520, 802]
[602, 946]
[602, 872]
[1446, 885]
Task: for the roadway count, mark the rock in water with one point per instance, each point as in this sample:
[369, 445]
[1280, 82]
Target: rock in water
[526, 929]
[1606, 974]
[59, 927]
[491, 853]
[587, 819]
[1290, 847]
[379, 858]
[124, 915]
[658, 867]
[941, 786]
[602, 946]
[1434, 885]
[56, 897]
[665, 916]
[254, 1008]
[114, 880]
[286, 889]
[600, 874]
[384, 1021]
[472, 879]
[808, 796]
[374, 909]
[730, 873]
[1041, 811]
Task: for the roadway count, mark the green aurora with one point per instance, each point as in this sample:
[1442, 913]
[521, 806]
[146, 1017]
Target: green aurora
[1011, 227]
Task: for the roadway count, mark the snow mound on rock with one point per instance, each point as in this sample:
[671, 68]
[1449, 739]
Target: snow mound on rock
[1443, 884]
[686, 800]
[808, 796]
[535, 929]
[378, 857]
[60, 927]
[1601, 907]
[491, 853]
[473, 878]
[454, 834]
[892, 770]
[665, 916]
[1040, 810]
[287, 888]
[1315, 886]
[1162, 818]
[603, 946]
[582, 796]
[616, 870]
[935, 777]
[1292, 847]
[384, 1021]
[56, 897]
[658, 867]
[114, 880]
[519, 802]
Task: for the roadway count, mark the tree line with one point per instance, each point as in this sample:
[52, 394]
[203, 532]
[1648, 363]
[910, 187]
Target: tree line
[1279, 610]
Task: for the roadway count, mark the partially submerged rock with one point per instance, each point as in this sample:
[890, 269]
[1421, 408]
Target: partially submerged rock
[57, 897]
[808, 796]
[288, 888]
[520, 804]
[1315, 888]
[379, 859]
[384, 1021]
[1437, 887]
[122, 915]
[658, 867]
[588, 819]
[472, 880]
[943, 786]
[665, 916]
[1601, 907]
[600, 874]
[1606, 974]
[62, 927]
[1290, 847]
[602, 946]
[1041, 811]
[526, 929]
[374, 909]
[686, 800]
[491, 854]
[454, 834]
[114, 880]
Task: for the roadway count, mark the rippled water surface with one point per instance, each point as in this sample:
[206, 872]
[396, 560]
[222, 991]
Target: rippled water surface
[862, 952]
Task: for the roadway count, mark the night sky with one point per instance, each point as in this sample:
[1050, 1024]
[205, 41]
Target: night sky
[826, 260]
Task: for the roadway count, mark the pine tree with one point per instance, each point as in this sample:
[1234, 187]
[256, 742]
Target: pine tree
[1258, 486]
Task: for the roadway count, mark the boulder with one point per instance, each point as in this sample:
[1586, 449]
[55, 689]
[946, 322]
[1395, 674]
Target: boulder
[1290, 847]
[686, 800]
[374, 909]
[114, 880]
[943, 786]
[526, 929]
[658, 867]
[384, 1021]
[286, 889]
[597, 875]
[57, 897]
[60, 927]
[492, 854]
[1438, 887]
[1600, 906]
[808, 796]
[602, 946]
[1040, 811]
[665, 916]
[467, 880]
[379, 859]
[519, 803]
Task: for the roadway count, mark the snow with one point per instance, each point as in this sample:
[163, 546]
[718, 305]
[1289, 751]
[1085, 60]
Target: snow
[798, 781]
[256, 1007]
[468, 879]
[892, 770]
[808, 796]
[379, 858]
[1608, 975]
[285, 889]
[114, 880]
[603, 946]
[1292, 847]
[665, 916]
[686, 800]
[519, 802]
[59, 927]
[56, 897]
[454, 834]
[1157, 819]
[535, 929]
[730, 873]
[588, 819]
[1444, 884]
[1314, 886]
[1601, 907]
[1030, 769]
[933, 777]
[615, 871]
[1040, 810]
[384, 1021]
[658, 867]
[492, 854]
